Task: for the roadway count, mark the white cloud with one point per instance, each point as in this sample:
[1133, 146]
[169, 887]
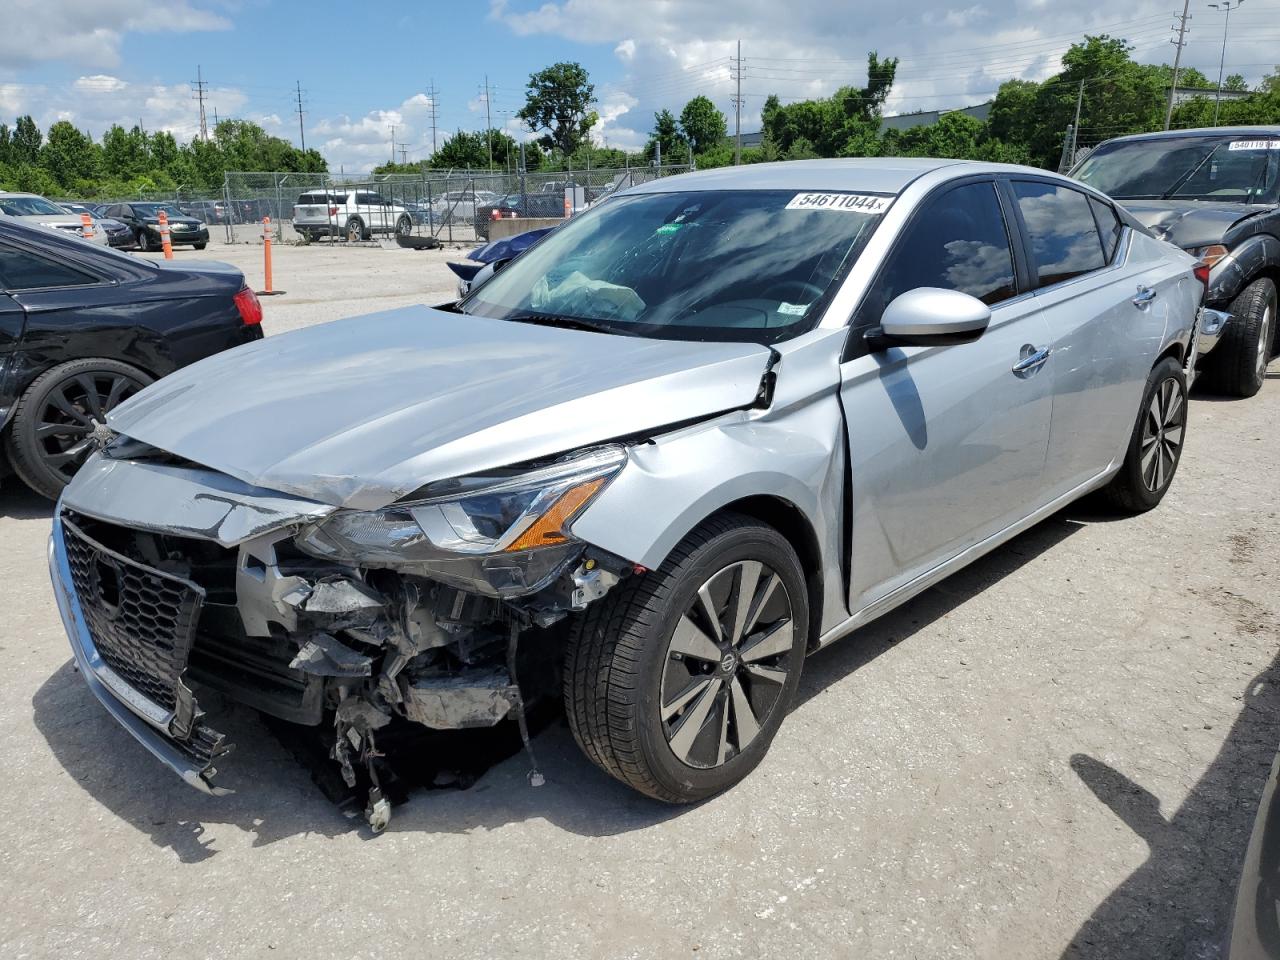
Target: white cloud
[951, 54]
[88, 33]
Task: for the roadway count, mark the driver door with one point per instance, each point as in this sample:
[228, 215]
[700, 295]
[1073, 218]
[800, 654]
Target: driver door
[947, 443]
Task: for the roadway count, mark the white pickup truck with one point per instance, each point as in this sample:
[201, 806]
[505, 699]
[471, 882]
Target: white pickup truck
[354, 214]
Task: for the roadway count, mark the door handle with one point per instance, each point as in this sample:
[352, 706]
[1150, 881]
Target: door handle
[1144, 297]
[1033, 361]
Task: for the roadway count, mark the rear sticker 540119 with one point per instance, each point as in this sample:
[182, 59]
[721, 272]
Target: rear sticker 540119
[843, 202]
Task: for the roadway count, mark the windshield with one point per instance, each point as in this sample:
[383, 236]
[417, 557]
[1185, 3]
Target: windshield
[747, 265]
[30, 207]
[1239, 170]
[153, 210]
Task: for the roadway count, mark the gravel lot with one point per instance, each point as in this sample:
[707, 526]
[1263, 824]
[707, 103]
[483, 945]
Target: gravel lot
[1056, 752]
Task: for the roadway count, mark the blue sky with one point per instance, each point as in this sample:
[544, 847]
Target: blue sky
[363, 68]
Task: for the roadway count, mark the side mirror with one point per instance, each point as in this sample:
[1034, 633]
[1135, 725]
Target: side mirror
[930, 317]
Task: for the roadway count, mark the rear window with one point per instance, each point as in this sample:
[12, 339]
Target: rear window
[322, 199]
[20, 270]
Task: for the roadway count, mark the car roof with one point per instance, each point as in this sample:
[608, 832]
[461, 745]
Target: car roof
[20, 193]
[869, 174]
[1250, 131]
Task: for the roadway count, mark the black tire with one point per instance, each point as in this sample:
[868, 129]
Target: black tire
[356, 229]
[621, 649]
[1237, 366]
[45, 460]
[404, 225]
[199, 246]
[144, 241]
[1155, 447]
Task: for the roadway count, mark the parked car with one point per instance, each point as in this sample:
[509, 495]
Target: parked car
[82, 328]
[143, 220]
[489, 258]
[514, 205]
[1214, 192]
[692, 435]
[1254, 933]
[34, 210]
[118, 234]
[208, 211]
[460, 206]
[354, 214]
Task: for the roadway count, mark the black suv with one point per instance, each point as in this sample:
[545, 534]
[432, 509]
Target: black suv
[1214, 192]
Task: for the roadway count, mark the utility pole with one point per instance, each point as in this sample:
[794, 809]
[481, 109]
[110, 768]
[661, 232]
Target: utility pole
[737, 108]
[393, 142]
[431, 95]
[200, 86]
[302, 134]
[1177, 60]
[1075, 128]
[404, 153]
[1226, 8]
[488, 121]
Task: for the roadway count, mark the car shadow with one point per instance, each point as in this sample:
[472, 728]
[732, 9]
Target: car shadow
[1179, 903]
[19, 503]
[276, 798]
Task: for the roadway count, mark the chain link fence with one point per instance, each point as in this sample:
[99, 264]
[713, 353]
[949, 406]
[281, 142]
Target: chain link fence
[452, 207]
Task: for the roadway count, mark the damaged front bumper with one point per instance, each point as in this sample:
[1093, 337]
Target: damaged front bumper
[206, 586]
[150, 723]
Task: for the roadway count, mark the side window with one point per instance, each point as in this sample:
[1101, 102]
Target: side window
[958, 242]
[1063, 233]
[1109, 226]
[125, 210]
[20, 270]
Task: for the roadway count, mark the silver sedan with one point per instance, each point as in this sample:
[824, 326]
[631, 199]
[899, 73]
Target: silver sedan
[701, 430]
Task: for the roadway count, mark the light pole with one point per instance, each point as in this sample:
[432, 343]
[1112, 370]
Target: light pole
[1226, 7]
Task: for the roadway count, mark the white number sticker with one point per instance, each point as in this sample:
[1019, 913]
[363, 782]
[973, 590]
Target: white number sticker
[843, 202]
[1254, 145]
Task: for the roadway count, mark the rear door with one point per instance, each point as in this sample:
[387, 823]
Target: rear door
[1107, 311]
[11, 323]
[946, 443]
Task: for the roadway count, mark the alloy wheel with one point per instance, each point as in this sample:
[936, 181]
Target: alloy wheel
[727, 663]
[1162, 430]
[72, 414]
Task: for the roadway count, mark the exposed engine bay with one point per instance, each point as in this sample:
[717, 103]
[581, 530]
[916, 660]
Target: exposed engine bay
[318, 641]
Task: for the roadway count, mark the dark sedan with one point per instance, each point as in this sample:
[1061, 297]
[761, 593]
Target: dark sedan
[143, 219]
[83, 328]
[118, 234]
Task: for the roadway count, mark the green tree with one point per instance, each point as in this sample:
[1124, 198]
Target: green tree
[1235, 82]
[25, 144]
[558, 100]
[702, 125]
[1270, 84]
[6, 145]
[846, 124]
[462, 151]
[666, 133]
[124, 152]
[69, 155]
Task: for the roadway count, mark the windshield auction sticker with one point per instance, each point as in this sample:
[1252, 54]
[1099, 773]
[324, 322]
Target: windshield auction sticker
[842, 202]
[1254, 145]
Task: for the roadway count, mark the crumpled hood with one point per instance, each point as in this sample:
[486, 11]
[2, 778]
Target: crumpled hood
[361, 411]
[1189, 223]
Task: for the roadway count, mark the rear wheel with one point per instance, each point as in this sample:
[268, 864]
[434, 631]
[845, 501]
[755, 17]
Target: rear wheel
[54, 422]
[144, 241]
[356, 230]
[1155, 447]
[404, 226]
[677, 681]
[1238, 364]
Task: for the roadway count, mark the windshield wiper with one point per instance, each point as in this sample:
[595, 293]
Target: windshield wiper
[568, 323]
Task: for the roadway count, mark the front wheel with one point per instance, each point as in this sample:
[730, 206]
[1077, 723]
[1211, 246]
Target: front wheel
[199, 246]
[676, 682]
[144, 241]
[1238, 364]
[1155, 447]
[404, 226]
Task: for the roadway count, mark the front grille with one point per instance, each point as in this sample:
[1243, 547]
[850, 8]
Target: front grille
[142, 620]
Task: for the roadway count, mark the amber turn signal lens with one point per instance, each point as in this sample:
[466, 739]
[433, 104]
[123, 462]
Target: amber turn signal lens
[548, 529]
[1213, 254]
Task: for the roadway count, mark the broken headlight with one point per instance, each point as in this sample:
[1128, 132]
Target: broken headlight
[502, 534]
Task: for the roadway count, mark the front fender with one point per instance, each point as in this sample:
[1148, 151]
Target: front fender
[674, 482]
[1233, 272]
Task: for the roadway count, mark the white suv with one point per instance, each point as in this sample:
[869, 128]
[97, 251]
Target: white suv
[354, 214]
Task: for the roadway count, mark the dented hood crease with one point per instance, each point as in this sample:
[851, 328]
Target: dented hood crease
[359, 412]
